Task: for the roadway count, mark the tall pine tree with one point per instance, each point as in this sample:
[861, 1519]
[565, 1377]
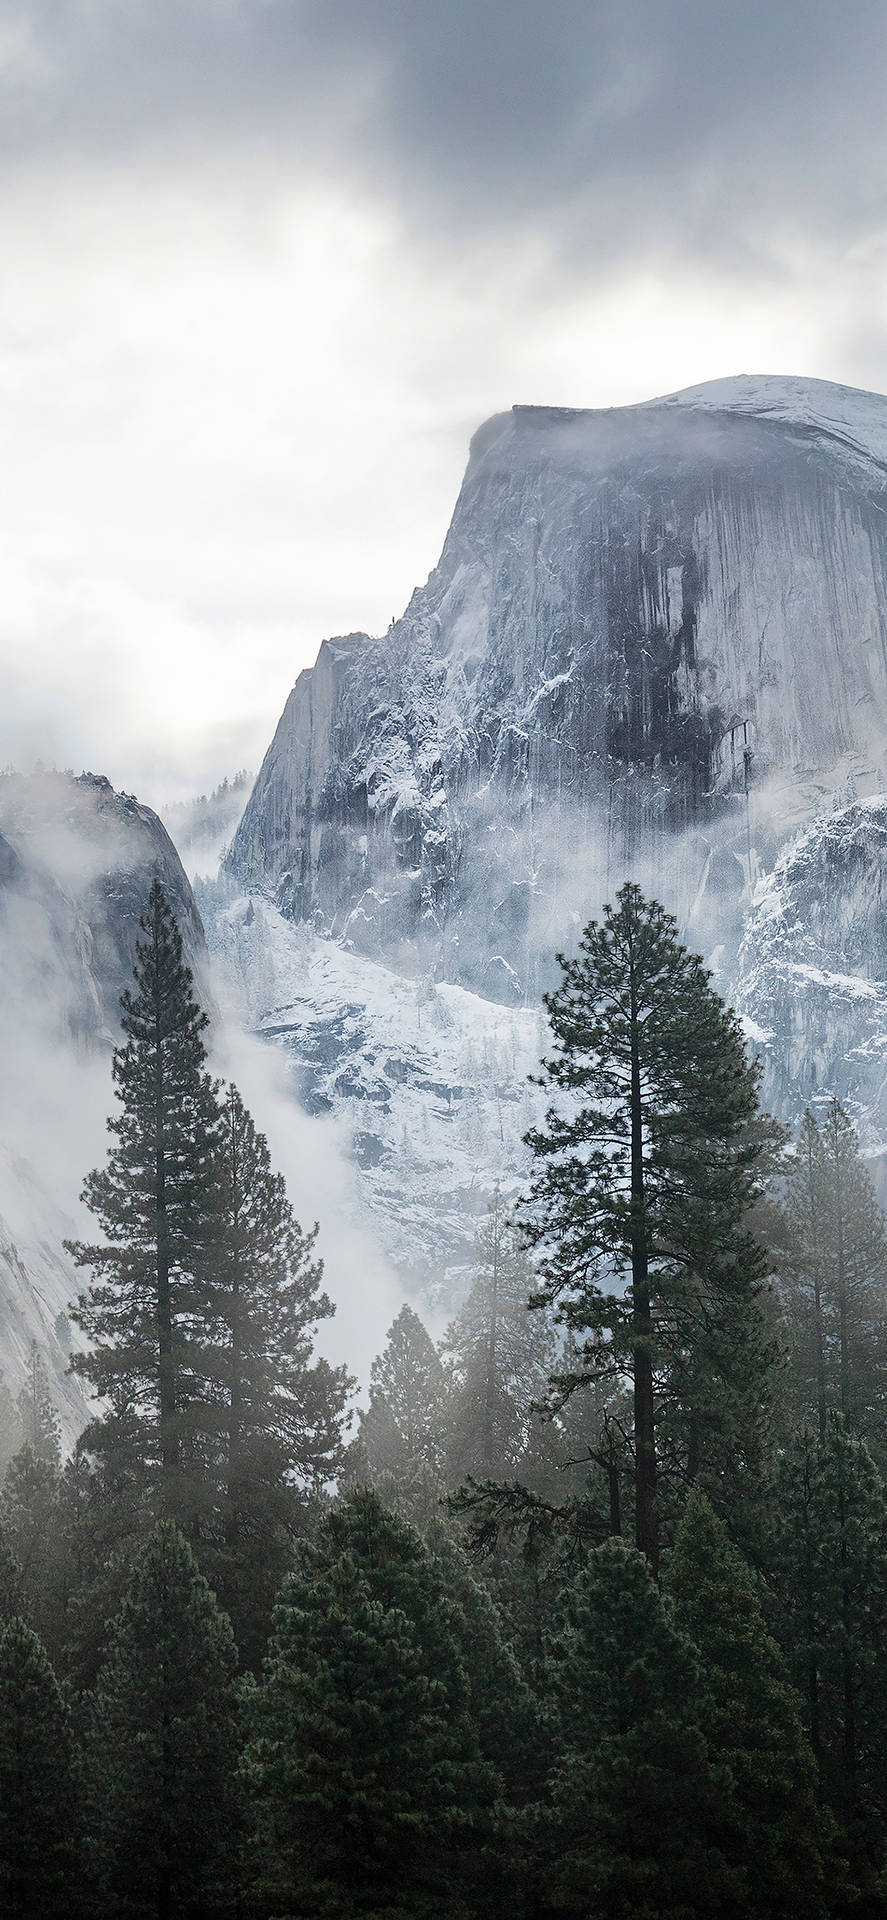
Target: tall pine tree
[274, 1412]
[156, 1203]
[647, 1169]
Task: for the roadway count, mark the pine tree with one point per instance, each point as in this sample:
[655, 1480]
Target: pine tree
[645, 1177]
[835, 1282]
[40, 1862]
[11, 1435]
[362, 1761]
[155, 1201]
[831, 1554]
[500, 1356]
[29, 1514]
[277, 1413]
[105, 1518]
[38, 1418]
[640, 1809]
[403, 1431]
[11, 1597]
[165, 1745]
[755, 1726]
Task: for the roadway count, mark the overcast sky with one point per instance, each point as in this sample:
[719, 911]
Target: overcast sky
[267, 263]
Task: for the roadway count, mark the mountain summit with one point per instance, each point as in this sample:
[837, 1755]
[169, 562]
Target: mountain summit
[654, 640]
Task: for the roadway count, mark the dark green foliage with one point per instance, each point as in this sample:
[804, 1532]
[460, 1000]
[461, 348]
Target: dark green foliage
[640, 1807]
[273, 1416]
[29, 1516]
[755, 1725]
[401, 1442]
[165, 1743]
[40, 1861]
[105, 1517]
[369, 1788]
[646, 1173]
[539, 1733]
[835, 1281]
[831, 1554]
[156, 1203]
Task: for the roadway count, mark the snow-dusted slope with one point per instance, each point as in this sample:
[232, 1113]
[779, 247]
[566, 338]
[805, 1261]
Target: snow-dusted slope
[853, 421]
[638, 613]
[812, 976]
[429, 1083]
[37, 1282]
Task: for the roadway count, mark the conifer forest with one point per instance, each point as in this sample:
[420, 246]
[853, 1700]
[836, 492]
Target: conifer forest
[585, 1613]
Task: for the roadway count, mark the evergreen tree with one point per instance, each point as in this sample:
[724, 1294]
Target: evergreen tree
[835, 1281]
[40, 1861]
[29, 1513]
[831, 1553]
[277, 1414]
[362, 1761]
[499, 1356]
[403, 1430]
[11, 1598]
[640, 1808]
[164, 1750]
[11, 1435]
[645, 1179]
[755, 1726]
[104, 1521]
[37, 1415]
[155, 1201]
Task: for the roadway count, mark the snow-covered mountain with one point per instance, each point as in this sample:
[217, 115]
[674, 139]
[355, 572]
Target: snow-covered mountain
[655, 642]
[637, 613]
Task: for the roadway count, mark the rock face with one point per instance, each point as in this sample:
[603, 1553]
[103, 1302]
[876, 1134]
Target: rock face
[76, 864]
[428, 1083]
[655, 637]
[812, 974]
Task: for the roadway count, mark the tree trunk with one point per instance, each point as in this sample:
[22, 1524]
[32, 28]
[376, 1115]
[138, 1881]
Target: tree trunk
[169, 1452]
[646, 1524]
[820, 1356]
[490, 1395]
[819, 1331]
[849, 1755]
[841, 1274]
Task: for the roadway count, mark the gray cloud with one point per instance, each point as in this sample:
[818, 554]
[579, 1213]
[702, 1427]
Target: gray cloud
[267, 263]
[605, 127]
